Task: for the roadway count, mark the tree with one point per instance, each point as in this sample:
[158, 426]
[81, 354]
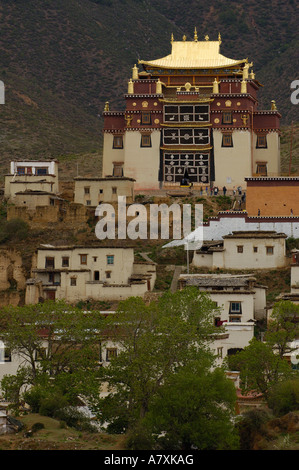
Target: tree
[155, 342]
[194, 409]
[283, 327]
[260, 367]
[58, 345]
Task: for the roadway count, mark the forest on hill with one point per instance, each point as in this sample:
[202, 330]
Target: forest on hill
[60, 62]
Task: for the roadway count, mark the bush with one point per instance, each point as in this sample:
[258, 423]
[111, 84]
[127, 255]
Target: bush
[50, 405]
[75, 419]
[252, 423]
[37, 427]
[284, 397]
[14, 229]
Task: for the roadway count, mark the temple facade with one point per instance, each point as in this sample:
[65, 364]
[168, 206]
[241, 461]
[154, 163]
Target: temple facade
[192, 117]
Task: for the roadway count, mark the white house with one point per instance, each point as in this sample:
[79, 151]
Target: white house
[241, 302]
[244, 250]
[75, 273]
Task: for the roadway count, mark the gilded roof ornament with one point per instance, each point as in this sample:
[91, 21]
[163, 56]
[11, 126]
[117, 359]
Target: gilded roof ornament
[219, 39]
[184, 37]
[172, 38]
[106, 108]
[207, 37]
[195, 35]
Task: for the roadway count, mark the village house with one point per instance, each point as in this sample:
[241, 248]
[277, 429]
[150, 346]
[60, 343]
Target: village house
[241, 302]
[93, 191]
[30, 176]
[75, 273]
[244, 250]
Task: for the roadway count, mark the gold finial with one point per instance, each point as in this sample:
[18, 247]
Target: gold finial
[219, 38]
[106, 108]
[172, 38]
[195, 35]
[252, 75]
[207, 37]
[130, 87]
[184, 37]
[215, 86]
[273, 105]
[135, 72]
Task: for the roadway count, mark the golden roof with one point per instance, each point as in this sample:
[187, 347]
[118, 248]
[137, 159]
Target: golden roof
[194, 55]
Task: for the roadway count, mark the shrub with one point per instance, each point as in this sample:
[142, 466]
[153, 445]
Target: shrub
[75, 419]
[37, 427]
[284, 397]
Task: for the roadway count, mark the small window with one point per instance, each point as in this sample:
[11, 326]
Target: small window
[146, 140]
[21, 170]
[73, 281]
[41, 171]
[49, 262]
[100, 191]
[118, 142]
[110, 259]
[145, 118]
[114, 190]
[88, 202]
[255, 249]
[261, 142]
[269, 250]
[83, 259]
[95, 258]
[108, 274]
[261, 169]
[227, 117]
[96, 275]
[7, 355]
[235, 307]
[240, 249]
[110, 353]
[65, 262]
[227, 140]
[40, 354]
[86, 190]
[118, 170]
[220, 352]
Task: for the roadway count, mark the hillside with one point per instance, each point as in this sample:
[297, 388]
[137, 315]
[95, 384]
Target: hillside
[60, 61]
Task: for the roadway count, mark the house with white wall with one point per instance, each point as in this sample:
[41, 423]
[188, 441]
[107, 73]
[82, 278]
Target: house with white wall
[75, 273]
[241, 301]
[244, 250]
[30, 176]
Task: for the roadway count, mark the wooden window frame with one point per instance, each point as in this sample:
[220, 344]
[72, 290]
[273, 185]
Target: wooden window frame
[146, 118]
[261, 141]
[227, 139]
[118, 141]
[227, 117]
[82, 258]
[146, 140]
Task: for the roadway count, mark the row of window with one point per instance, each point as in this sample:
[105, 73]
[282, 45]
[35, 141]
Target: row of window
[145, 141]
[22, 170]
[39, 355]
[186, 137]
[269, 249]
[65, 260]
[227, 140]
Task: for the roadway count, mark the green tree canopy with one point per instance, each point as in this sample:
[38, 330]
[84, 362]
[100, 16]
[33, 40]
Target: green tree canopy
[155, 342]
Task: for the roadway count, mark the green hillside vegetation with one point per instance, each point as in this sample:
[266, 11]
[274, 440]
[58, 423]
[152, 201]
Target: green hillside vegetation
[60, 62]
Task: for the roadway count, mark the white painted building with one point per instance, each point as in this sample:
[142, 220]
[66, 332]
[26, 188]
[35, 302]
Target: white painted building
[228, 222]
[241, 302]
[75, 273]
[244, 250]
